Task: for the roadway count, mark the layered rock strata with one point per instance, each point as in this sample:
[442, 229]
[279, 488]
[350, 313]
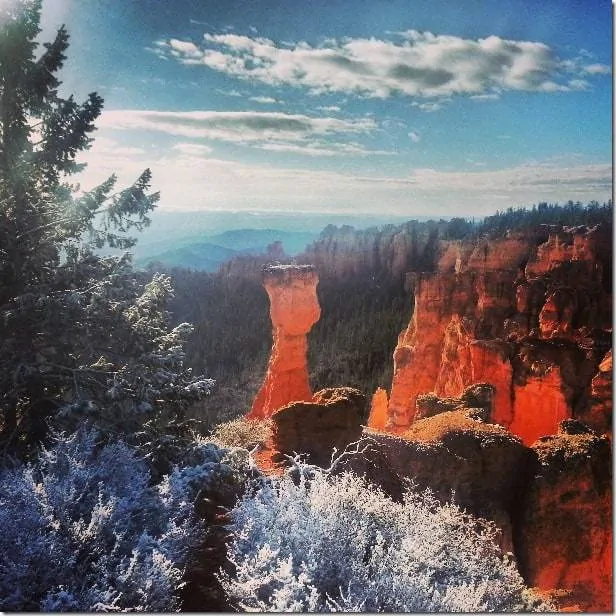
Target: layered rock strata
[294, 309]
[529, 315]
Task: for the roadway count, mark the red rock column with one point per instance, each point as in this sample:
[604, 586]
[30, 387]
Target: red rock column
[378, 410]
[294, 309]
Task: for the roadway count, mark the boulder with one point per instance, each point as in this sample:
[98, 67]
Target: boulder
[331, 421]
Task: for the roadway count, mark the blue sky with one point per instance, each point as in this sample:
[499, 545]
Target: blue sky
[396, 106]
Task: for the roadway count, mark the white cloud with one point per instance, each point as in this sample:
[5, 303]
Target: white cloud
[422, 64]
[234, 126]
[415, 137]
[430, 107]
[183, 49]
[329, 108]
[265, 100]
[114, 148]
[324, 149]
[579, 84]
[192, 149]
[491, 96]
[597, 69]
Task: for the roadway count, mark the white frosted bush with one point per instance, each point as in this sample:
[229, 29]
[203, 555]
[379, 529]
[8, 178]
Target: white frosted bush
[336, 543]
[82, 529]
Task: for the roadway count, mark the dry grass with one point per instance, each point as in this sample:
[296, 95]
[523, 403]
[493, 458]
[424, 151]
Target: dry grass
[242, 432]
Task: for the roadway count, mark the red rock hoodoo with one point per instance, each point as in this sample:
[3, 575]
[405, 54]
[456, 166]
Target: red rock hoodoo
[531, 315]
[294, 309]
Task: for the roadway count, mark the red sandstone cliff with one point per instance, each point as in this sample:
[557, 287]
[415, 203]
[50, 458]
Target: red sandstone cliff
[529, 315]
[294, 308]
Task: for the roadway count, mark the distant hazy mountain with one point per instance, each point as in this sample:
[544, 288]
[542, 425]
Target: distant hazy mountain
[205, 239]
[209, 252]
[202, 256]
[293, 242]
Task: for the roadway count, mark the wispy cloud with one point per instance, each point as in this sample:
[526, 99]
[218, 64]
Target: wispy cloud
[325, 149]
[234, 126]
[192, 149]
[491, 96]
[421, 64]
[597, 69]
[232, 93]
[431, 106]
[415, 136]
[190, 179]
[264, 100]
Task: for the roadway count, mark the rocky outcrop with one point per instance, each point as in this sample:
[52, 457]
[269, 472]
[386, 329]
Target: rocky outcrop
[294, 308]
[457, 455]
[477, 398]
[531, 315]
[331, 421]
[552, 501]
[564, 535]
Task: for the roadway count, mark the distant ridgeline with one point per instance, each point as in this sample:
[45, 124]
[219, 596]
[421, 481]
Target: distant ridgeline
[363, 291]
[208, 253]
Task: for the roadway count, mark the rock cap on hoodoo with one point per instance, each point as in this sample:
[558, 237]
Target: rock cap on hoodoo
[281, 273]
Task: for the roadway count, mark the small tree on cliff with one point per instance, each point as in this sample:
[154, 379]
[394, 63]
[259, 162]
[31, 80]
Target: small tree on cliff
[80, 335]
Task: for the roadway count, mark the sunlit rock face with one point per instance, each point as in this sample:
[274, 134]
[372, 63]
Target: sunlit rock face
[552, 500]
[531, 315]
[294, 309]
[599, 412]
[378, 410]
[564, 534]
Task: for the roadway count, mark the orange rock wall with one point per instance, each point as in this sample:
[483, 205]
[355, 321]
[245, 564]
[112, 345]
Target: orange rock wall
[539, 406]
[294, 309]
[481, 309]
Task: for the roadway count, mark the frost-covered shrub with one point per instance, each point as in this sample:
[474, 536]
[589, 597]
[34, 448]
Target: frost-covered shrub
[82, 529]
[336, 543]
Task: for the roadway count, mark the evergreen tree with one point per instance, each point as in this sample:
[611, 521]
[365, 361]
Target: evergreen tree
[81, 336]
